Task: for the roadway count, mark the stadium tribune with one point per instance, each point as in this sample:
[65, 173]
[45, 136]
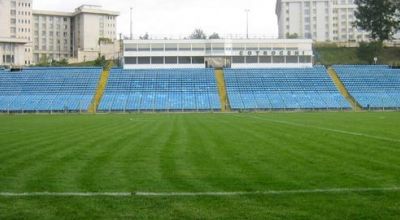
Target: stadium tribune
[200, 143]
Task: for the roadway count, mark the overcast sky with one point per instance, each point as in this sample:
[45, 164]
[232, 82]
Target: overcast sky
[178, 18]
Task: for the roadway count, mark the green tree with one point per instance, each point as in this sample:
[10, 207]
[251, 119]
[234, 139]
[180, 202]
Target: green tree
[43, 60]
[198, 34]
[63, 62]
[292, 36]
[145, 37]
[214, 36]
[104, 40]
[100, 61]
[379, 17]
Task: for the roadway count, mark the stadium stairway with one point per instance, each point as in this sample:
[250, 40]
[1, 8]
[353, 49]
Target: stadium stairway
[101, 86]
[223, 94]
[343, 90]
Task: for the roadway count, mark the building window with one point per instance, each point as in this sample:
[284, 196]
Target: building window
[157, 60]
[130, 60]
[157, 47]
[237, 59]
[265, 59]
[184, 60]
[171, 60]
[305, 59]
[198, 60]
[252, 59]
[144, 60]
[171, 47]
[144, 47]
[278, 59]
[292, 59]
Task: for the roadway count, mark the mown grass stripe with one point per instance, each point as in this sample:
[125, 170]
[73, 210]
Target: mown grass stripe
[326, 129]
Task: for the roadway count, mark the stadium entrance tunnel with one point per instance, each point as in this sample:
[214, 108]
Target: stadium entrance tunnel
[218, 62]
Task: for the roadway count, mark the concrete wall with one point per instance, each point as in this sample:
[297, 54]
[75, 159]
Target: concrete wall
[110, 51]
[295, 25]
[90, 36]
[12, 49]
[5, 18]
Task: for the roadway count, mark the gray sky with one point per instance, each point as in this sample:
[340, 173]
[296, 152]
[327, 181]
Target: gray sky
[178, 18]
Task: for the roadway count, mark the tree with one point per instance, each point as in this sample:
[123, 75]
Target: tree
[145, 37]
[397, 4]
[198, 34]
[100, 61]
[292, 36]
[214, 36]
[43, 60]
[63, 62]
[379, 17]
[104, 40]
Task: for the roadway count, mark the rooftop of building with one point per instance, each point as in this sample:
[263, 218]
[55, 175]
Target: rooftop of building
[223, 40]
[89, 9]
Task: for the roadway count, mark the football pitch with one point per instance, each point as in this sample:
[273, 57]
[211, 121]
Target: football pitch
[201, 166]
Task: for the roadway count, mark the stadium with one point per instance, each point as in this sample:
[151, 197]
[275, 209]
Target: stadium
[233, 128]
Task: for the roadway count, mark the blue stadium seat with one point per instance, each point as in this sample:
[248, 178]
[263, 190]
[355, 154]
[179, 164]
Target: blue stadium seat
[305, 88]
[374, 86]
[48, 89]
[161, 90]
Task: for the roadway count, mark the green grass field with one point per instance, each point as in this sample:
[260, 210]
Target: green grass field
[167, 153]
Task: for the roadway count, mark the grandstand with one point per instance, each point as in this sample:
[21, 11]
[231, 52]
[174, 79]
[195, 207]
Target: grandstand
[48, 89]
[197, 89]
[161, 90]
[372, 86]
[306, 88]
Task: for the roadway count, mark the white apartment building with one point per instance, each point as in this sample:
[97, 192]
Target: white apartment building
[59, 35]
[30, 36]
[15, 32]
[320, 20]
[51, 36]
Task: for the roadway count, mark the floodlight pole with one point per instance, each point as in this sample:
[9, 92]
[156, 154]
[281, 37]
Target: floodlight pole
[247, 22]
[131, 24]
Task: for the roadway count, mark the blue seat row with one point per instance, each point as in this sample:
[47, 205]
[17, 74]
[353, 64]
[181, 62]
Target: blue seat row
[306, 88]
[372, 86]
[41, 89]
[161, 90]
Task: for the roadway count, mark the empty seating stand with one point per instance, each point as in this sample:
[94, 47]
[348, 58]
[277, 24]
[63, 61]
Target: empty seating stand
[161, 90]
[48, 89]
[267, 89]
[374, 86]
